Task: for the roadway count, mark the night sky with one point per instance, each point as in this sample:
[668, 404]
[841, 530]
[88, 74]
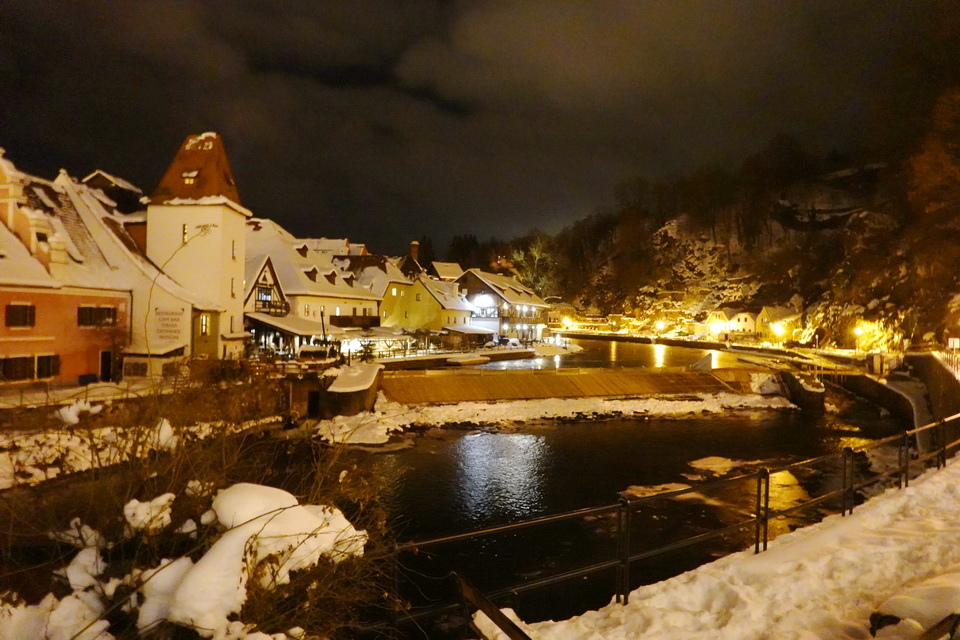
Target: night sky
[385, 120]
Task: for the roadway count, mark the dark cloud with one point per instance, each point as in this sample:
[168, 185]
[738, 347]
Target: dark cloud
[384, 120]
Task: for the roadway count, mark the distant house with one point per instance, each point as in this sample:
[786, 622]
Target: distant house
[504, 304]
[727, 320]
[296, 295]
[776, 324]
[446, 271]
[409, 264]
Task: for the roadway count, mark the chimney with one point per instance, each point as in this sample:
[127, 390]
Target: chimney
[415, 251]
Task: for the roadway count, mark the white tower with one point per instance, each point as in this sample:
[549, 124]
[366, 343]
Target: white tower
[195, 234]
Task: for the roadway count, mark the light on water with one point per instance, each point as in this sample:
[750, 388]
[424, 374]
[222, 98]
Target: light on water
[500, 474]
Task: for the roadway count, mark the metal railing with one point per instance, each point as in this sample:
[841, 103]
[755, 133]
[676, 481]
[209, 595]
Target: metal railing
[911, 461]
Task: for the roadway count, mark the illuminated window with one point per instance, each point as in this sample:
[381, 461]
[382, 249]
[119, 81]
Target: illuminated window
[338, 310]
[393, 292]
[306, 310]
[21, 315]
[183, 233]
[204, 324]
[189, 177]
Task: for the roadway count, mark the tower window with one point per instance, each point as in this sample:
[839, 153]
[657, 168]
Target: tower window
[183, 233]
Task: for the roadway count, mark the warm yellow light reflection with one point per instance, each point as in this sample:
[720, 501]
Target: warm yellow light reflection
[659, 355]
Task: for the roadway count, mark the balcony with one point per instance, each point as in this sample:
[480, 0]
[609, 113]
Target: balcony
[272, 307]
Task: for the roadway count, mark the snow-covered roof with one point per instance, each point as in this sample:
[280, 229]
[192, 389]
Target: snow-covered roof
[126, 261]
[509, 288]
[298, 326]
[99, 174]
[375, 273]
[447, 294]
[447, 270]
[469, 328]
[18, 267]
[779, 314]
[199, 171]
[301, 271]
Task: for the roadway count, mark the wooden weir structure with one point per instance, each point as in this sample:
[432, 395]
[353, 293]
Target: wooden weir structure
[480, 385]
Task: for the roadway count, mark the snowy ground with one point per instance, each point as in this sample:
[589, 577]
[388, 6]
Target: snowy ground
[389, 417]
[898, 554]
[263, 532]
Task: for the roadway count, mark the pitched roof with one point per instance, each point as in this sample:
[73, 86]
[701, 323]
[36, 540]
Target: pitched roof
[447, 294]
[447, 270]
[199, 170]
[301, 271]
[509, 288]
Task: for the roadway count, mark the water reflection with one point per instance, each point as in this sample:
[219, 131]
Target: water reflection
[659, 355]
[613, 351]
[500, 474]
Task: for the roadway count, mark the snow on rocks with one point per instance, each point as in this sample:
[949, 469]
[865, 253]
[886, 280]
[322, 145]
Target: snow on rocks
[150, 517]
[265, 529]
[375, 427]
[70, 414]
[823, 581]
[31, 457]
[266, 525]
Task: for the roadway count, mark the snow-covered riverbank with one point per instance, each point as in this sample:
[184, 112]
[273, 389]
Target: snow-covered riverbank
[376, 427]
[897, 555]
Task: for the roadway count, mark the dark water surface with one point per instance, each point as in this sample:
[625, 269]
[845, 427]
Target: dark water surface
[457, 480]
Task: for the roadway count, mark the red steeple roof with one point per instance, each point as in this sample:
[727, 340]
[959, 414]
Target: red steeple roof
[199, 170]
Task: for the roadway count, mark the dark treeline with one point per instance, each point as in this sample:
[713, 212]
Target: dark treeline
[787, 227]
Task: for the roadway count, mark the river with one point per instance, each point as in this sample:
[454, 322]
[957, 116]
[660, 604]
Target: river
[456, 480]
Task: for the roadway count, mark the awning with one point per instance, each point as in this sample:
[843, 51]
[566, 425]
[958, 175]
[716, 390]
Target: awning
[153, 347]
[468, 328]
[297, 326]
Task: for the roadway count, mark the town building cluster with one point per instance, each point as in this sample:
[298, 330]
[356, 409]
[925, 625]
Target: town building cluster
[99, 281]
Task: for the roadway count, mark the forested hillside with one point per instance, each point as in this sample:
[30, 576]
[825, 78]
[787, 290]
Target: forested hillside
[841, 239]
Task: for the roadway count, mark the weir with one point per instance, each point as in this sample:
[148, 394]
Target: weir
[441, 387]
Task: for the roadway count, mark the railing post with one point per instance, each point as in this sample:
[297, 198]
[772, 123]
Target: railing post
[762, 512]
[941, 432]
[623, 550]
[906, 460]
[846, 505]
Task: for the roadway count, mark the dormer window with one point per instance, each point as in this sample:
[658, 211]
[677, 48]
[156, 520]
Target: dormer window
[312, 274]
[189, 177]
[331, 278]
[302, 250]
[41, 237]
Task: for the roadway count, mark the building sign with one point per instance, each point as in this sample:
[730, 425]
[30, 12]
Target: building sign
[168, 324]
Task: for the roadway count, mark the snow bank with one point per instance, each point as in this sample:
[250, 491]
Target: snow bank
[356, 377]
[267, 530]
[30, 458]
[820, 582]
[267, 527]
[375, 427]
[545, 349]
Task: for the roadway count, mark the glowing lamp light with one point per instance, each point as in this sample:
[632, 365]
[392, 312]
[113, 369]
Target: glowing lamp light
[858, 331]
[506, 326]
[483, 301]
[778, 329]
[717, 327]
[566, 321]
[660, 325]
